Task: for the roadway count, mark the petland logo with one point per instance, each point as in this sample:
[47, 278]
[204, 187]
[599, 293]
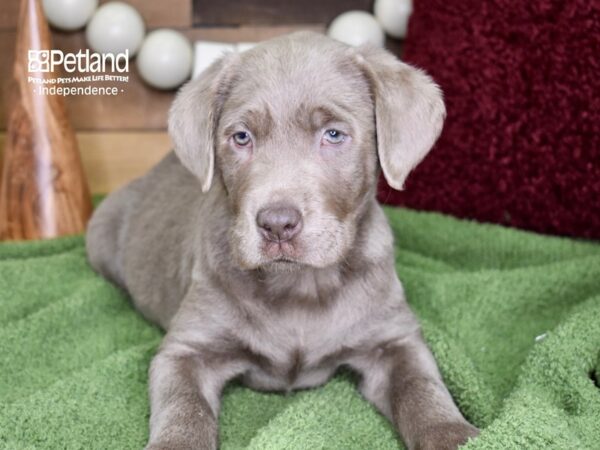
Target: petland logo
[95, 74]
[43, 61]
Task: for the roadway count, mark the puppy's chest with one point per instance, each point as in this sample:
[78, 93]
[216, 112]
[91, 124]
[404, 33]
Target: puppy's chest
[298, 349]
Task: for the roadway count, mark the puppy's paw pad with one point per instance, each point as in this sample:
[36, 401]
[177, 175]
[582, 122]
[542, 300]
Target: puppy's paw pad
[446, 436]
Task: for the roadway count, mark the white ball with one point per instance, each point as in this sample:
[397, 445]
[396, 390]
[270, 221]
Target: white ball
[165, 59]
[393, 16]
[114, 28]
[356, 28]
[69, 15]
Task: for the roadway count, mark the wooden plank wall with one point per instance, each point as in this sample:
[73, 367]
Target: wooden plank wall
[121, 137]
[268, 12]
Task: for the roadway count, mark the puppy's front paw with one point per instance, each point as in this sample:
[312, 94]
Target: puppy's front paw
[155, 446]
[168, 445]
[179, 445]
[446, 436]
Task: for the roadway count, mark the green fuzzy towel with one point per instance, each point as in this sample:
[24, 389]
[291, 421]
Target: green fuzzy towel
[513, 319]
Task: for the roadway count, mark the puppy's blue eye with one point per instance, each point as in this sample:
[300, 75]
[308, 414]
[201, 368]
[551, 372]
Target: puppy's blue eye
[241, 138]
[334, 136]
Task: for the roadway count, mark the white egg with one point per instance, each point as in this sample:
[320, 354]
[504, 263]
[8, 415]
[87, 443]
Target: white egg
[393, 16]
[357, 28]
[114, 28]
[165, 59]
[69, 15]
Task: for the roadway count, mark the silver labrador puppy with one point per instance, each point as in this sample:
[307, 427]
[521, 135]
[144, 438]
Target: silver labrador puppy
[259, 246]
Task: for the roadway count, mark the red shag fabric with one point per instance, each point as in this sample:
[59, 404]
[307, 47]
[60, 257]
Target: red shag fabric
[521, 143]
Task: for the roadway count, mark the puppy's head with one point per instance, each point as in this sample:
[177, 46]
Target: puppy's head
[296, 129]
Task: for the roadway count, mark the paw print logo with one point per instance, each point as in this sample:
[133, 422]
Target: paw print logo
[38, 61]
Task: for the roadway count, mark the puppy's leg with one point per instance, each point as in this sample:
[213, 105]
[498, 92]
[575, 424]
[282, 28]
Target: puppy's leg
[404, 383]
[184, 401]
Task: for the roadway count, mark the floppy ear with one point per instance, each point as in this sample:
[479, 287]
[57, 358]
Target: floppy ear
[409, 112]
[194, 117]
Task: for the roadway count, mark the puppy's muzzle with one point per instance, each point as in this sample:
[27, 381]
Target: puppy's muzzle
[279, 223]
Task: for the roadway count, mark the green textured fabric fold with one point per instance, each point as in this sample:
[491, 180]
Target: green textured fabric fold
[512, 317]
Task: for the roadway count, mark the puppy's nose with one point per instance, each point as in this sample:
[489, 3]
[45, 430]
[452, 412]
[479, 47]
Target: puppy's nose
[279, 223]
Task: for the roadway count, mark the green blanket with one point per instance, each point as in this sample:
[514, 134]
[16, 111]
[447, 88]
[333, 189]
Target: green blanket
[512, 317]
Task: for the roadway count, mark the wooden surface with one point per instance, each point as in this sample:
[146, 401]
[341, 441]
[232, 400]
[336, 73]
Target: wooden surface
[43, 191]
[111, 159]
[243, 12]
[114, 158]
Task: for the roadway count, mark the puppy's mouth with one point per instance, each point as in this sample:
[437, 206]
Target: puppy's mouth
[281, 265]
[281, 255]
[285, 252]
[283, 259]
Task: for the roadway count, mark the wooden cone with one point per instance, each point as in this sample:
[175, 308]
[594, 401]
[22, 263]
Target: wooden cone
[43, 190]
